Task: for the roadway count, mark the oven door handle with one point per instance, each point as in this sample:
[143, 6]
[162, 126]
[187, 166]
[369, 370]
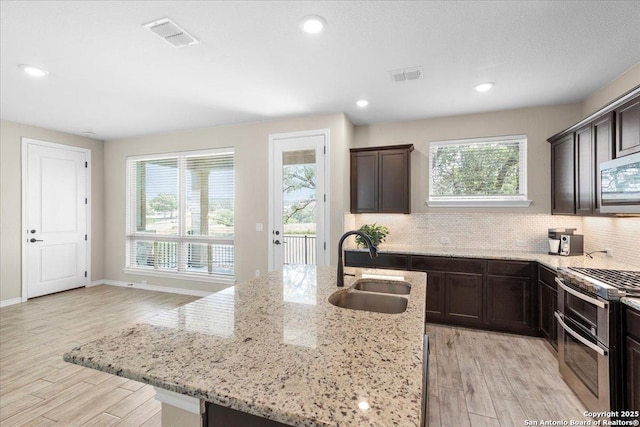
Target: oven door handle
[579, 337]
[580, 295]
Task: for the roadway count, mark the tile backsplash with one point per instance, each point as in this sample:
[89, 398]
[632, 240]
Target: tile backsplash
[504, 231]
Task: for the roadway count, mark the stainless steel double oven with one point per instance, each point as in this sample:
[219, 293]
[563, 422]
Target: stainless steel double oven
[586, 348]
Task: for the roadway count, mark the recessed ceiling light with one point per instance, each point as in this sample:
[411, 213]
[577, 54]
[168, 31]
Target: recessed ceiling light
[33, 71]
[484, 87]
[313, 24]
[362, 103]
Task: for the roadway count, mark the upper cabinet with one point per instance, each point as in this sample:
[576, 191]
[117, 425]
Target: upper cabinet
[563, 193]
[381, 179]
[628, 125]
[577, 152]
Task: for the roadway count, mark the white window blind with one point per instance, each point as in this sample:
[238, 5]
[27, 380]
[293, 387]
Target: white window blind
[479, 172]
[180, 213]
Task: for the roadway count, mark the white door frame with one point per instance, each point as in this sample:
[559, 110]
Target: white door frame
[24, 229]
[272, 139]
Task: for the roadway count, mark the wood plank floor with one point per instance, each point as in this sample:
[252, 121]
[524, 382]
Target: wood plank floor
[480, 378]
[476, 378]
[37, 388]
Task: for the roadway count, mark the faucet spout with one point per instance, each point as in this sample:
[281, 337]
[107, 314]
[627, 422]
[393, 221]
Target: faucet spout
[373, 252]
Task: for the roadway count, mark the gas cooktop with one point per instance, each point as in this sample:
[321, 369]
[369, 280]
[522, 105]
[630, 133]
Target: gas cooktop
[609, 284]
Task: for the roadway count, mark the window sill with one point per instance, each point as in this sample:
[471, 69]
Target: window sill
[223, 280]
[479, 203]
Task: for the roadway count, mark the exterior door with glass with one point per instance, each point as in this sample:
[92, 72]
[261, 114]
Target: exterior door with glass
[298, 199]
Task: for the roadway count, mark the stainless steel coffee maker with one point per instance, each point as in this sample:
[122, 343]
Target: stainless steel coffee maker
[555, 237]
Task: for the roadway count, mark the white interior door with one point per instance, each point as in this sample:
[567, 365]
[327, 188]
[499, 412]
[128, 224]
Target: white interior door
[55, 218]
[298, 200]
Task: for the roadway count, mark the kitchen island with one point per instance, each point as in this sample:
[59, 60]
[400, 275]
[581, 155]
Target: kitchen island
[274, 347]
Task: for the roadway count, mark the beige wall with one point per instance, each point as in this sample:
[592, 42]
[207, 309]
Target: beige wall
[11, 200]
[537, 123]
[251, 143]
[612, 90]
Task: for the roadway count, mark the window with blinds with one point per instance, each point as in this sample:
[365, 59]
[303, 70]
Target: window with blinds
[180, 212]
[479, 172]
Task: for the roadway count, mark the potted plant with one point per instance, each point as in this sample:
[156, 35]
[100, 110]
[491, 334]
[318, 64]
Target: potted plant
[377, 234]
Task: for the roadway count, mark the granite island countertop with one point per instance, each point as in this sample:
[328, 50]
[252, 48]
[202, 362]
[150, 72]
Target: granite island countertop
[276, 348]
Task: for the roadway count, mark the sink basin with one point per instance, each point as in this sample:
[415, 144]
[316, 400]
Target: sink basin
[369, 302]
[383, 286]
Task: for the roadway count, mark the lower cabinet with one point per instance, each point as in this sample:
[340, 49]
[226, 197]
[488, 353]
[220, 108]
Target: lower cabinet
[509, 302]
[548, 302]
[463, 298]
[632, 359]
[221, 416]
[490, 294]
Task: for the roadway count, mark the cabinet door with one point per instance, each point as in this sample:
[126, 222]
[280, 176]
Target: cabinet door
[584, 171]
[548, 323]
[363, 259]
[463, 298]
[603, 151]
[628, 128]
[364, 182]
[562, 176]
[509, 302]
[436, 282]
[633, 374]
[394, 174]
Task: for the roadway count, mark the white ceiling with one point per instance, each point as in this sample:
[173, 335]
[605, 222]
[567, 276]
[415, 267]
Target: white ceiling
[111, 76]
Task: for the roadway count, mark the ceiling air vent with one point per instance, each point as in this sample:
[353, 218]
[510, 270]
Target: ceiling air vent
[170, 32]
[406, 74]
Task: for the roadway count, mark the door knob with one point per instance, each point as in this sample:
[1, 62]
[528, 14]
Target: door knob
[32, 231]
[33, 240]
[276, 242]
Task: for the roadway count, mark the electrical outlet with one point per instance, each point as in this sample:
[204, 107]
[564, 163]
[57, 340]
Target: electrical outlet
[609, 252]
[521, 243]
[445, 240]
[257, 273]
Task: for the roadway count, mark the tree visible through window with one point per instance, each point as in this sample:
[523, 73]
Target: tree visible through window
[180, 213]
[483, 169]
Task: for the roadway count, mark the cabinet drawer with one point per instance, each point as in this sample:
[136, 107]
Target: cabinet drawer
[362, 259]
[447, 264]
[633, 323]
[547, 276]
[509, 268]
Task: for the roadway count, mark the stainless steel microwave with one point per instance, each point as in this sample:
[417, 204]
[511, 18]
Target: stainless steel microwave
[620, 185]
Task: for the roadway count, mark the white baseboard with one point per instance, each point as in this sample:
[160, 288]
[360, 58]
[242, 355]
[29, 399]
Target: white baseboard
[156, 288]
[11, 301]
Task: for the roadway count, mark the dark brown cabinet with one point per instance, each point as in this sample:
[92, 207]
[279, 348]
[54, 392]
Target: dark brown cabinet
[577, 152]
[628, 128]
[563, 193]
[381, 179]
[547, 304]
[463, 299]
[632, 359]
[454, 289]
[584, 171]
[603, 151]
[509, 301]
[383, 260]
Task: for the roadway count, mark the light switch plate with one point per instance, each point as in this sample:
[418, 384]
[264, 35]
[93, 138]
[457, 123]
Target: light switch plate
[258, 226]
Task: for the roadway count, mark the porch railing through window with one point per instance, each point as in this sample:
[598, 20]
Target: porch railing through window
[201, 257]
[299, 249]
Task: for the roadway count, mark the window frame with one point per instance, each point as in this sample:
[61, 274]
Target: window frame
[511, 201]
[131, 235]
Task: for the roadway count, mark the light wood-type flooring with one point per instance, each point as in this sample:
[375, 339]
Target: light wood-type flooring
[479, 378]
[476, 378]
[37, 388]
